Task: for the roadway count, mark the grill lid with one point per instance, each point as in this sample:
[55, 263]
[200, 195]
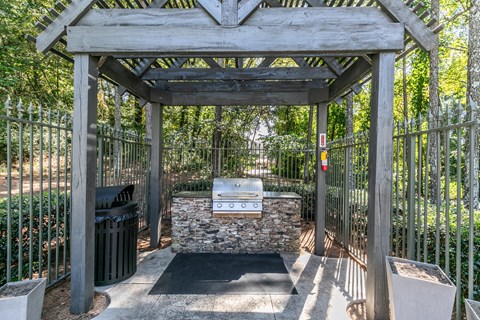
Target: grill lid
[237, 188]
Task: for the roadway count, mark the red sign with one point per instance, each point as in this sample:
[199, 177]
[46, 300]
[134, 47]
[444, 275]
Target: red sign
[323, 140]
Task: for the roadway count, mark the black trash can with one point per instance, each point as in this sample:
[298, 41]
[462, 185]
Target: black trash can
[116, 228]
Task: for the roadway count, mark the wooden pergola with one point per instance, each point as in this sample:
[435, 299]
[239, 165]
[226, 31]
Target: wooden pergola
[144, 45]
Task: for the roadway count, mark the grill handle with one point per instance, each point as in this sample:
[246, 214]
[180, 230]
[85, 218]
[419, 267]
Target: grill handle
[238, 194]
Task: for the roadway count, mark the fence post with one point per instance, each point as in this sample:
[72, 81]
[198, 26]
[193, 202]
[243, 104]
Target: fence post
[411, 145]
[346, 194]
[100, 138]
[279, 167]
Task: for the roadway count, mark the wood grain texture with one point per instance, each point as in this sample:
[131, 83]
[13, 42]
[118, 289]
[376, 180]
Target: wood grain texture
[237, 98]
[320, 183]
[252, 40]
[213, 7]
[289, 73]
[243, 85]
[156, 174]
[84, 166]
[54, 31]
[415, 27]
[356, 72]
[246, 8]
[259, 17]
[229, 13]
[124, 77]
[380, 155]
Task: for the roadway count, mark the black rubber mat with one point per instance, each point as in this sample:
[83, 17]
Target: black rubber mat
[206, 273]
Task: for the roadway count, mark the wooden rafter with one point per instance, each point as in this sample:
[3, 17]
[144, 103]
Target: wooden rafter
[55, 30]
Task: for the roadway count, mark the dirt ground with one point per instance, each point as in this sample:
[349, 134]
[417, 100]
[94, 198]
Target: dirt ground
[56, 305]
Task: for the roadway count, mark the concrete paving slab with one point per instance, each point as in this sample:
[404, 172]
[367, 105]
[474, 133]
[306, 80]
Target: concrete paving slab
[151, 266]
[240, 307]
[325, 286]
[130, 301]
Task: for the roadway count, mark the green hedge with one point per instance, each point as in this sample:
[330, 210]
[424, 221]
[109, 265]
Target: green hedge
[46, 219]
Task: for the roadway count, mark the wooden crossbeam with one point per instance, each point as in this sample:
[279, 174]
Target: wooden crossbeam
[204, 98]
[271, 40]
[55, 30]
[240, 74]
[241, 86]
[262, 17]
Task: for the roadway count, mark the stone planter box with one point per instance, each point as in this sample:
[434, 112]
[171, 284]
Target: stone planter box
[22, 299]
[418, 290]
[473, 309]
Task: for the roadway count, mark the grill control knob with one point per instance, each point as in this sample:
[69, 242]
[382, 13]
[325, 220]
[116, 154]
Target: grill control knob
[243, 205]
[219, 205]
[255, 205]
[231, 205]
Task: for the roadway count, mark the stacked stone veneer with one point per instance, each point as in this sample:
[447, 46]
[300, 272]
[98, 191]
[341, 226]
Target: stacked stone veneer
[194, 229]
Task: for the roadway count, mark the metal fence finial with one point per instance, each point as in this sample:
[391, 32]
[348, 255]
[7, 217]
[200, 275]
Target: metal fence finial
[20, 108]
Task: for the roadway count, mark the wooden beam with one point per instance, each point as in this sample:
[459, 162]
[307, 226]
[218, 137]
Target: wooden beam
[320, 182]
[415, 27]
[229, 13]
[261, 17]
[157, 4]
[252, 40]
[156, 175]
[380, 155]
[240, 74]
[205, 98]
[124, 77]
[213, 7]
[246, 8]
[349, 77]
[242, 86]
[54, 31]
[84, 166]
[318, 95]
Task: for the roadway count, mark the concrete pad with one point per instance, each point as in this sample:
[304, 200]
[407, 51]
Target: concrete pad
[130, 300]
[325, 286]
[179, 307]
[242, 307]
[151, 266]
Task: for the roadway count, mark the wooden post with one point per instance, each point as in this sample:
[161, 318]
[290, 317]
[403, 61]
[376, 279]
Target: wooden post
[84, 165]
[156, 174]
[322, 113]
[380, 183]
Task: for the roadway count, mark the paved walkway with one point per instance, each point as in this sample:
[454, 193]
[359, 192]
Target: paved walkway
[325, 287]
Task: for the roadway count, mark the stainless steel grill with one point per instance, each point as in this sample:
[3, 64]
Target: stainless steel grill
[237, 197]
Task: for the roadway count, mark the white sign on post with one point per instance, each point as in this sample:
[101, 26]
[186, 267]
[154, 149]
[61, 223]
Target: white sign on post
[323, 140]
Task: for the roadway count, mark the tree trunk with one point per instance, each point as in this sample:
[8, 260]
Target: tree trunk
[309, 138]
[349, 114]
[434, 109]
[473, 93]
[148, 120]
[404, 91]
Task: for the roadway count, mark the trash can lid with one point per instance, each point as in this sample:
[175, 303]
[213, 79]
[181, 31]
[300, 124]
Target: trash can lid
[114, 196]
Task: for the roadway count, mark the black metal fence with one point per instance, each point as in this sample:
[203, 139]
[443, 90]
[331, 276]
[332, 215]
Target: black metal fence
[435, 216]
[192, 167]
[35, 161]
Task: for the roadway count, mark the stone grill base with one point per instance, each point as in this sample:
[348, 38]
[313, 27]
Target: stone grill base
[195, 230]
